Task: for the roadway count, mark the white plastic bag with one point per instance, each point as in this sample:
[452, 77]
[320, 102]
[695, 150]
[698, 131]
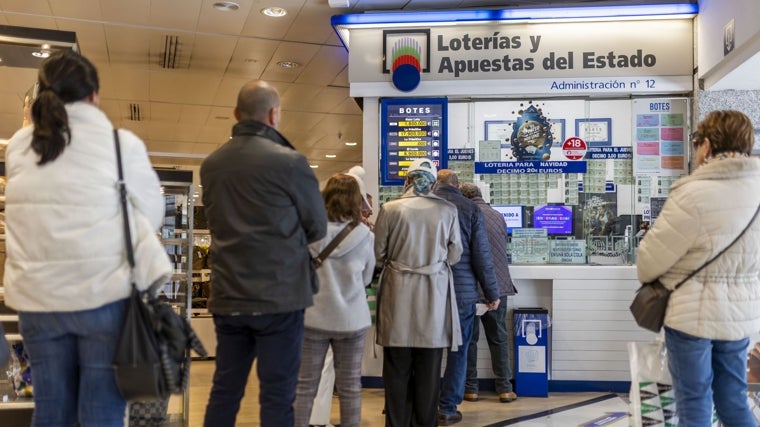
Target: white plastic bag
[652, 399]
[653, 402]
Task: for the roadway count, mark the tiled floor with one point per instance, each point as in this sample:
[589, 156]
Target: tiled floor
[557, 410]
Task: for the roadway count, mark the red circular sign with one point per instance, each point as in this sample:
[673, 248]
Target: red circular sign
[574, 148]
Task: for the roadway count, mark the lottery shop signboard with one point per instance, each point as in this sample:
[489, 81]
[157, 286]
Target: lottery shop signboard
[411, 128]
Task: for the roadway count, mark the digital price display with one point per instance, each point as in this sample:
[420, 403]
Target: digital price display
[410, 129]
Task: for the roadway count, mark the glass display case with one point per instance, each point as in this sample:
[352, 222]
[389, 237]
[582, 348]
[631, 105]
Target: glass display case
[177, 237]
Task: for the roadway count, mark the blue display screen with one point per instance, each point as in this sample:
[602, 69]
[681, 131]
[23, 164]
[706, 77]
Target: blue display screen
[556, 219]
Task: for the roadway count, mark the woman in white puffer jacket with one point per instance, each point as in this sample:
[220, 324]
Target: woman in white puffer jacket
[710, 317]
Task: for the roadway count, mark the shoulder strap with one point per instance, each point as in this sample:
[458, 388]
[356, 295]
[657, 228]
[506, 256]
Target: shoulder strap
[333, 244]
[123, 196]
[721, 252]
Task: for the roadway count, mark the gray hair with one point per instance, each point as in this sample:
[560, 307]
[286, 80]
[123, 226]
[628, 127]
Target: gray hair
[470, 190]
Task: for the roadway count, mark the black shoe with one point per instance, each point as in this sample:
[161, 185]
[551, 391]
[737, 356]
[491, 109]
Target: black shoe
[447, 420]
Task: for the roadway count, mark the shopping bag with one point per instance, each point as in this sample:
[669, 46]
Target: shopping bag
[152, 358]
[652, 398]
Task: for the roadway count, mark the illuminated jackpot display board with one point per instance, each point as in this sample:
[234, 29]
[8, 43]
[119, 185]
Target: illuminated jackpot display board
[410, 129]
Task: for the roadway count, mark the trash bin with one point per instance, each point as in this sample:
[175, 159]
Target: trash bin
[532, 354]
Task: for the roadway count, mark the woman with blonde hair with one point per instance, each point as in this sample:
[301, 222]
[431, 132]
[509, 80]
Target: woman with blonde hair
[710, 317]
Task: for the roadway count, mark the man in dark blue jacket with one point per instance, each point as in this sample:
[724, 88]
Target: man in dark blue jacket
[494, 322]
[473, 269]
[263, 207]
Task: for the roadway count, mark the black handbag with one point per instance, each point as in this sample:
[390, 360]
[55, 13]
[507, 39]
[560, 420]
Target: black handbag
[152, 357]
[651, 300]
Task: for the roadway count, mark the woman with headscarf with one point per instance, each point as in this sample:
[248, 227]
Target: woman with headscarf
[417, 238]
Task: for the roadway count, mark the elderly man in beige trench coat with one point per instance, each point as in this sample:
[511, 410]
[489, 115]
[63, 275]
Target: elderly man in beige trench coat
[417, 238]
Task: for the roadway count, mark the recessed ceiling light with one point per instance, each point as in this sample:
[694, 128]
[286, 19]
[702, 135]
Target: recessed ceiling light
[274, 12]
[226, 6]
[288, 64]
[44, 51]
[351, 143]
[313, 166]
[331, 156]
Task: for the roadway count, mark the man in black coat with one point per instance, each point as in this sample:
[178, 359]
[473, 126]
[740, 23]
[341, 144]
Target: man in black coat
[263, 207]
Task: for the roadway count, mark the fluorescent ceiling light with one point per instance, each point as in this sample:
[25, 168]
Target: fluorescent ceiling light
[342, 23]
[331, 156]
[351, 143]
[314, 166]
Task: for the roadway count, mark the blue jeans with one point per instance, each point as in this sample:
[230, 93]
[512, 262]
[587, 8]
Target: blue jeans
[71, 355]
[276, 340]
[452, 385]
[708, 371]
[495, 329]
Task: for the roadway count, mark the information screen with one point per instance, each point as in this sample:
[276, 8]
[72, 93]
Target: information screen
[513, 215]
[556, 219]
[410, 129]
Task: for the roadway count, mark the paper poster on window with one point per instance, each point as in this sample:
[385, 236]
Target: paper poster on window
[660, 136]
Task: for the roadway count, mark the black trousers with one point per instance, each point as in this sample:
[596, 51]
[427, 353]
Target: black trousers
[412, 380]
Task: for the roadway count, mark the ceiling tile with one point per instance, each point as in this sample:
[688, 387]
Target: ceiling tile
[111, 108]
[188, 132]
[296, 97]
[214, 21]
[165, 112]
[194, 114]
[32, 21]
[183, 86]
[80, 9]
[211, 53]
[171, 50]
[301, 53]
[90, 37]
[129, 46]
[296, 120]
[228, 91]
[348, 106]
[130, 12]
[160, 131]
[303, 28]
[37, 7]
[201, 148]
[212, 135]
[260, 25]
[179, 14]
[327, 99]
[325, 66]
[251, 56]
[168, 146]
[221, 117]
[121, 82]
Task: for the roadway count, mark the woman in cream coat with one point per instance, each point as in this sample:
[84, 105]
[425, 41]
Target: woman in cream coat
[66, 271]
[710, 317]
